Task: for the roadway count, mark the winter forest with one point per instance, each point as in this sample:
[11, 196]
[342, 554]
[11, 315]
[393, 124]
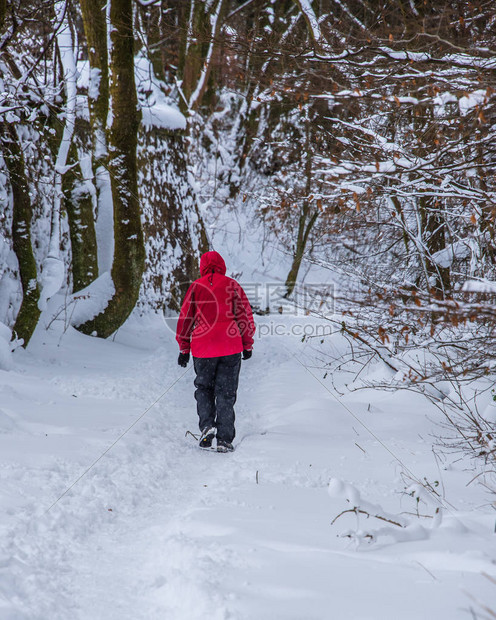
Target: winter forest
[340, 155]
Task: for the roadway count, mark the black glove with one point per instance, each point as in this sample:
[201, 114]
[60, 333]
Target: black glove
[183, 359]
[247, 354]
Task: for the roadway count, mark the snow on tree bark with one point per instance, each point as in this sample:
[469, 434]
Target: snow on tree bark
[29, 313]
[95, 30]
[79, 202]
[175, 234]
[53, 270]
[129, 253]
[312, 23]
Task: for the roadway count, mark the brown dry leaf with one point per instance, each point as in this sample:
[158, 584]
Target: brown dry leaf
[383, 335]
[357, 201]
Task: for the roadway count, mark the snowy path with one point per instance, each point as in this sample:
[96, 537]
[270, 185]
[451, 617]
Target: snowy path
[158, 529]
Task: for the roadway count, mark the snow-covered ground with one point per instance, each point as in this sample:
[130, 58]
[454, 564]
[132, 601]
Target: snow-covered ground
[159, 529]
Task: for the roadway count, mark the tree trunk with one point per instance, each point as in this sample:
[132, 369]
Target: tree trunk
[29, 313]
[174, 232]
[304, 229]
[198, 50]
[95, 29]
[433, 235]
[306, 221]
[151, 23]
[79, 198]
[3, 10]
[129, 254]
[431, 211]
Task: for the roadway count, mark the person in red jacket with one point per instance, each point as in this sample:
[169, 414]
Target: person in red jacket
[216, 325]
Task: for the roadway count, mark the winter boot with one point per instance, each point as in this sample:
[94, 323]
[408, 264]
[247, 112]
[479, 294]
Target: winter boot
[224, 446]
[207, 437]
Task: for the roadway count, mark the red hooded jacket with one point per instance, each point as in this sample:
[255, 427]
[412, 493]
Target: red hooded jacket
[216, 317]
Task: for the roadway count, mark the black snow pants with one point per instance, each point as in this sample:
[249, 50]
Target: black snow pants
[216, 385]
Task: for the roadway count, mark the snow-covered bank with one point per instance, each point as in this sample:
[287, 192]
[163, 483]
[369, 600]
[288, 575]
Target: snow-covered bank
[159, 529]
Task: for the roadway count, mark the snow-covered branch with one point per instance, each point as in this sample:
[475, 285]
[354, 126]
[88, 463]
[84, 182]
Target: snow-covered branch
[313, 23]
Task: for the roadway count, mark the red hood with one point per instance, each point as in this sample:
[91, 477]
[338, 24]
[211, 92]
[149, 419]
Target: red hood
[212, 262]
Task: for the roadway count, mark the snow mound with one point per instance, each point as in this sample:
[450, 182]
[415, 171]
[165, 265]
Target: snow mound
[157, 110]
[458, 250]
[395, 527]
[52, 278]
[90, 301]
[163, 116]
[5, 347]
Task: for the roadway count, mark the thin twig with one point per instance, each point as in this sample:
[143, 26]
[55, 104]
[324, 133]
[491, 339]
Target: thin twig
[357, 510]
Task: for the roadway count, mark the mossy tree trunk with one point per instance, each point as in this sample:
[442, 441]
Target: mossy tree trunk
[129, 254]
[95, 30]
[29, 313]
[79, 198]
